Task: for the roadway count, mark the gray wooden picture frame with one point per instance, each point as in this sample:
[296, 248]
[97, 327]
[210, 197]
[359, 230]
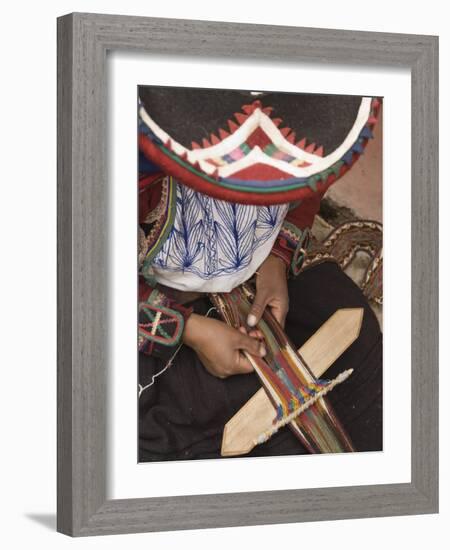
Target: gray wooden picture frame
[83, 42]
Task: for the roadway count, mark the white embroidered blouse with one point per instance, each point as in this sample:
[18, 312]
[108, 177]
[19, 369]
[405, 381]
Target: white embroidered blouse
[215, 245]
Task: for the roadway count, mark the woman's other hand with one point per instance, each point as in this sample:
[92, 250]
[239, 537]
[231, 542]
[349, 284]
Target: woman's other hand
[219, 346]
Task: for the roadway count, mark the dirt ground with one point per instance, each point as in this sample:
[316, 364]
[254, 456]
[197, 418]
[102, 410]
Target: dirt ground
[358, 194]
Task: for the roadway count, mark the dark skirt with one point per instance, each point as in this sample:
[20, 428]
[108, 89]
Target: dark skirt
[182, 415]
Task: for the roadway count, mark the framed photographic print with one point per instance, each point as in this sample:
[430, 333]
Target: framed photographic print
[247, 274]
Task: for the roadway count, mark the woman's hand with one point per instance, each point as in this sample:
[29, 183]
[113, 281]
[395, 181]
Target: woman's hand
[271, 291]
[219, 346]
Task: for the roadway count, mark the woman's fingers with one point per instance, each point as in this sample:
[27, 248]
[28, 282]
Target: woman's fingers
[243, 365]
[257, 308]
[252, 345]
[279, 311]
[256, 333]
[253, 333]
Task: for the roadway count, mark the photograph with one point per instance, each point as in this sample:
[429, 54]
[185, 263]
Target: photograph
[259, 265]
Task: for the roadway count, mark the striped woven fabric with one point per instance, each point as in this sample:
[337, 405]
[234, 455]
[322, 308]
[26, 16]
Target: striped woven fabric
[257, 162]
[297, 395]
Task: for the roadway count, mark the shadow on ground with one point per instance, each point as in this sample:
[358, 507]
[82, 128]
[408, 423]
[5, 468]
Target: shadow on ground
[47, 520]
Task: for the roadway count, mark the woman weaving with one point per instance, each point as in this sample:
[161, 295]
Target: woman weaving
[226, 201]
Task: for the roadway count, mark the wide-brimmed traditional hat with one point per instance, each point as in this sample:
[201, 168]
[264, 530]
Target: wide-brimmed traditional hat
[253, 147]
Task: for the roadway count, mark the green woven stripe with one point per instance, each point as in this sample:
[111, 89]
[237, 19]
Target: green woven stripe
[245, 148]
[311, 182]
[270, 149]
[229, 186]
[166, 230]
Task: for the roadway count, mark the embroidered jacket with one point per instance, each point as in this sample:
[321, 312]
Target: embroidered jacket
[164, 162]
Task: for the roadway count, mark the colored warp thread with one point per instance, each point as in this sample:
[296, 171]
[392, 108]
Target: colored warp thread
[296, 394]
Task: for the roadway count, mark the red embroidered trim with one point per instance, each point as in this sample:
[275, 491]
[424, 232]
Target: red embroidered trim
[291, 245]
[161, 321]
[163, 326]
[282, 251]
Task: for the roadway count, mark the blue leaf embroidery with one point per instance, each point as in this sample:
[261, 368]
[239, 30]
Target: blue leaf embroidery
[212, 238]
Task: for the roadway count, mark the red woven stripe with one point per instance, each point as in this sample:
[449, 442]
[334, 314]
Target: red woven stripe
[170, 166]
[277, 383]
